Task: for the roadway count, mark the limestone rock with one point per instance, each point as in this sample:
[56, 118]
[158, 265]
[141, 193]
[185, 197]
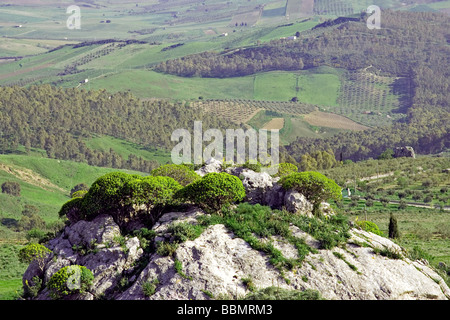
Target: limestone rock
[297, 203]
[260, 187]
[92, 244]
[216, 262]
[256, 184]
[211, 165]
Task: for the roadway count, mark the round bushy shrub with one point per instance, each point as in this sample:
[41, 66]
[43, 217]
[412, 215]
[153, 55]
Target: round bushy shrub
[369, 226]
[181, 173]
[106, 193]
[34, 252]
[213, 191]
[151, 193]
[69, 280]
[71, 209]
[314, 186]
[285, 168]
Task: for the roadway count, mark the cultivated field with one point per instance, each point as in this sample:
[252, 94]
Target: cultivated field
[371, 99]
[331, 120]
[298, 8]
[248, 19]
[274, 124]
[242, 111]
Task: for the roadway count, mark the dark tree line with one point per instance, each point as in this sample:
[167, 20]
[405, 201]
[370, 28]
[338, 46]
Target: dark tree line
[235, 64]
[60, 121]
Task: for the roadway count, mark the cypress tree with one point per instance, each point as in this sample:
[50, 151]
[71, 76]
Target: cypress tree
[393, 228]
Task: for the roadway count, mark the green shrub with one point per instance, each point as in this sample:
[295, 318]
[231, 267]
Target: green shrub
[79, 194]
[213, 191]
[182, 232]
[285, 168]
[36, 234]
[179, 269]
[393, 227]
[150, 191]
[34, 252]
[32, 288]
[314, 186]
[11, 188]
[106, 194]
[164, 248]
[69, 280]
[30, 221]
[248, 283]
[146, 237]
[72, 210]
[78, 187]
[331, 232]
[252, 166]
[149, 287]
[369, 226]
[180, 173]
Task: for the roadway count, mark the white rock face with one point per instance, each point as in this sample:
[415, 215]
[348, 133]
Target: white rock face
[297, 203]
[217, 261]
[211, 165]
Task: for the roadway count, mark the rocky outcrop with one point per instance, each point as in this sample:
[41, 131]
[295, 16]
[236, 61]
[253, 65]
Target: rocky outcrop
[404, 152]
[99, 246]
[213, 265]
[297, 202]
[211, 165]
